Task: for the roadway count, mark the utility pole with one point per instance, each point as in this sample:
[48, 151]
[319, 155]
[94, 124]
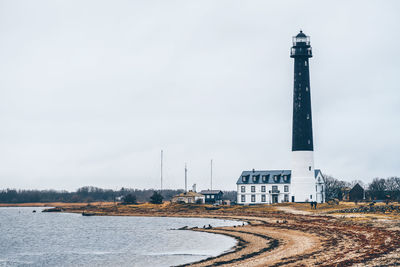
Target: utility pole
[211, 172]
[161, 174]
[185, 178]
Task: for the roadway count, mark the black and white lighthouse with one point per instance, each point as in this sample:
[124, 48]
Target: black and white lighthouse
[303, 177]
[301, 183]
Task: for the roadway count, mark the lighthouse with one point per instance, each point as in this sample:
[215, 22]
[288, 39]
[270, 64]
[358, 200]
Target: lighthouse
[303, 176]
[301, 183]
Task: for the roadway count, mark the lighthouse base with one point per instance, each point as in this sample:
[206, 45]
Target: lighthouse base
[303, 184]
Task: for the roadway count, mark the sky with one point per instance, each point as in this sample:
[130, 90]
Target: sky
[92, 91]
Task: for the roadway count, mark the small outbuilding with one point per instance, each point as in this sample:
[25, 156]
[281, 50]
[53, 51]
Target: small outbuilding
[356, 193]
[189, 197]
[212, 196]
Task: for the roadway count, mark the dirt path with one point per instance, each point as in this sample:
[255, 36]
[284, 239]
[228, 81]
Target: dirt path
[294, 211]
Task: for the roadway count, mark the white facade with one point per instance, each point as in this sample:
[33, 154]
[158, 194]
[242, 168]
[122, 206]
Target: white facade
[269, 187]
[320, 188]
[263, 193]
[303, 176]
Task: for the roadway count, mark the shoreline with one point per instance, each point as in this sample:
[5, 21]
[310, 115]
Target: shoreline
[289, 235]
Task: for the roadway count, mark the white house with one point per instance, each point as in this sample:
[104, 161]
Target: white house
[189, 197]
[268, 187]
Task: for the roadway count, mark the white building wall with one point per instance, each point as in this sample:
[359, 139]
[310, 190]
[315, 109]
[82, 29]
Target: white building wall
[320, 187]
[258, 193]
[303, 176]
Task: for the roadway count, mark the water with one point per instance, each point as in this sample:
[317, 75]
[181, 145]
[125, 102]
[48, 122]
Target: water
[64, 239]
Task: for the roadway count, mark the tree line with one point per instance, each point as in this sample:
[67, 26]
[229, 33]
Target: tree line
[378, 189]
[90, 194]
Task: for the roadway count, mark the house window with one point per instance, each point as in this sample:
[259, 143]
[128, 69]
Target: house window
[253, 188]
[305, 63]
[309, 141]
[286, 198]
[207, 196]
[263, 188]
[212, 196]
[242, 189]
[306, 88]
[309, 168]
[243, 198]
[308, 116]
[253, 198]
[274, 188]
[310, 196]
[286, 188]
[263, 198]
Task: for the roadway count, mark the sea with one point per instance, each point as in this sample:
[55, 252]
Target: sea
[30, 238]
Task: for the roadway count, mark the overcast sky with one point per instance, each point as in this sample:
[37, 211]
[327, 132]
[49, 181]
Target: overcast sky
[91, 91]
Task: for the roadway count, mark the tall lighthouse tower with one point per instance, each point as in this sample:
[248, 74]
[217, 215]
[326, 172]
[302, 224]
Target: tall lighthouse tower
[303, 185]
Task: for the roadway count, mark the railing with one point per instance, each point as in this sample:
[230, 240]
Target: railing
[295, 51]
[301, 40]
[274, 191]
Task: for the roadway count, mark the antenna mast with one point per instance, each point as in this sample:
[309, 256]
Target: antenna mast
[211, 172]
[161, 172]
[185, 178]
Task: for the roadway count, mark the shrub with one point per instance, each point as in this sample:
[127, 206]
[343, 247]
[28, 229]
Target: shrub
[129, 199]
[156, 198]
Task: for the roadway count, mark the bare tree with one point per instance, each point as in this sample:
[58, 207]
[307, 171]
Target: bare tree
[333, 187]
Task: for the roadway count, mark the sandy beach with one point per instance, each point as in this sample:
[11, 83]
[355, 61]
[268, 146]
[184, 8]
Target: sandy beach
[283, 234]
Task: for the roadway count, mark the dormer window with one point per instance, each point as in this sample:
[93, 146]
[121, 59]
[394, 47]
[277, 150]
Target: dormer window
[245, 178]
[276, 178]
[255, 178]
[265, 178]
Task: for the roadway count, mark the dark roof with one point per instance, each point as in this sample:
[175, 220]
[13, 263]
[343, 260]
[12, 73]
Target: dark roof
[301, 34]
[267, 177]
[357, 186]
[210, 192]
